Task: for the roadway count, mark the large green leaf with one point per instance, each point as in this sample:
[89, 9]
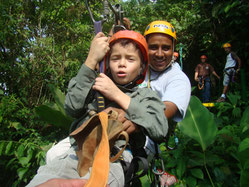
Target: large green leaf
[244, 123]
[54, 117]
[197, 173]
[199, 123]
[58, 96]
[244, 178]
[244, 145]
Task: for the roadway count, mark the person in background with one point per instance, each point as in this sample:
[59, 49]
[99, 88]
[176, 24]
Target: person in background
[203, 72]
[232, 66]
[176, 55]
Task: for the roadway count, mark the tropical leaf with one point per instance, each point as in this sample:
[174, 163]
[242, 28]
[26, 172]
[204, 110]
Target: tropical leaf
[197, 173]
[54, 117]
[244, 123]
[199, 123]
[244, 145]
[59, 97]
[244, 178]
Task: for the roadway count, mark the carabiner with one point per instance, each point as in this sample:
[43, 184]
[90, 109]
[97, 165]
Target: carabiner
[97, 24]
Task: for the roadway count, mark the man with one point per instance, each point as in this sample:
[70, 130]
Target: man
[202, 76]
[172, 85]
[163, 76]
[232, 67]
[176, 55]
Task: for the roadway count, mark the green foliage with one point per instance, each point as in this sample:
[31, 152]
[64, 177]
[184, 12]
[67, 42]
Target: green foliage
[44, 43]
[199, 124]
[213, 149]
[54, 113]
[24, 141]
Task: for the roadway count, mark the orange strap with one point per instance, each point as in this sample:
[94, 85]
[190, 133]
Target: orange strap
[100, 168]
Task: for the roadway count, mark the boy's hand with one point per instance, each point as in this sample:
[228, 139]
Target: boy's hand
[99, 47]
[106, 87]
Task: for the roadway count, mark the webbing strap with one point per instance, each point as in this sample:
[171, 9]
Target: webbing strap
[133, 168]
[100, 168]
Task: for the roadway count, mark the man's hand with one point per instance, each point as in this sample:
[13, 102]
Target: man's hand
[65, 183]
[130, 127]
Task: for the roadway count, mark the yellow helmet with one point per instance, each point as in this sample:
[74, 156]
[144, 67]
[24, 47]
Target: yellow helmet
[160, 27]
[227, 45]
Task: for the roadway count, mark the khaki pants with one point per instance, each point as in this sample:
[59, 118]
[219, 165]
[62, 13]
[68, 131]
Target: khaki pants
[65, 166]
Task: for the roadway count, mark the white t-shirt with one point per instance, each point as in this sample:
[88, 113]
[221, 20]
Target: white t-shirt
[171, 85]
[230, 61]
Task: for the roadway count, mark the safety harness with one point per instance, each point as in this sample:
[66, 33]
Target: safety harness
[201, 83]
[158, 175]
[231, 74]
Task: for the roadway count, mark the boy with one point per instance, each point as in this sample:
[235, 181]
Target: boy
[126, 63]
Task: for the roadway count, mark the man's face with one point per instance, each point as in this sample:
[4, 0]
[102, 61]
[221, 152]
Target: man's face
[125, 63]
[227, 49]
[160, 47]
[203, 60]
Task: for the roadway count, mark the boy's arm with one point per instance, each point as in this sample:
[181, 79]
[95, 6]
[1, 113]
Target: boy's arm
[80, 86]
[78, 89]
[99, 47]
[147, 111]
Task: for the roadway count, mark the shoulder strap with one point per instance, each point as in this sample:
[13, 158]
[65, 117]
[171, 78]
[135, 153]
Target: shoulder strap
[100, 168]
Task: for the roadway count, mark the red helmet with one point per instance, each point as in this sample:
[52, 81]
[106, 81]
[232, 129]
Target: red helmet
[176, 54]
[139, 40]
[203, 56]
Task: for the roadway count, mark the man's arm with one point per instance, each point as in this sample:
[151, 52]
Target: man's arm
[171, 109]
[196, 76]
[215, 74]
[237, 59]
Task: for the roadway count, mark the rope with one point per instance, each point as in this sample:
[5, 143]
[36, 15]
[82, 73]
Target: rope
[202, 85]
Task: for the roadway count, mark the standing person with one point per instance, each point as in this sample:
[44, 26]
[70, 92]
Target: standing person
[203, 72]
[233, 64]
[164, 77]
[126, 63]
[176, 55]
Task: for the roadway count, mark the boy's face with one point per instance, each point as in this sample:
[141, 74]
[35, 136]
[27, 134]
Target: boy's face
[160, 48]
[125, 63]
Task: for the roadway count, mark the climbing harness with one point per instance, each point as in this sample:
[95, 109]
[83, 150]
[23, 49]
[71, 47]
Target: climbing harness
[181, 56]
[158, 174]
[201, 83]
[231, 73]
[171, 131]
